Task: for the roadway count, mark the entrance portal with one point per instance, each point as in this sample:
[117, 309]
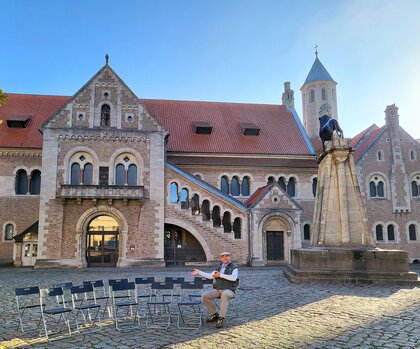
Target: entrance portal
[182, 247]
[102, 242]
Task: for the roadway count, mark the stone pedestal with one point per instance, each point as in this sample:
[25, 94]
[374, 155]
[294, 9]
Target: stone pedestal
[350, 265]
[342, 247]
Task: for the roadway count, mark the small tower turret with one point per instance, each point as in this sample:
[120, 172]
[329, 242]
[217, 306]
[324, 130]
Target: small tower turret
[319, 89]
[288, 97]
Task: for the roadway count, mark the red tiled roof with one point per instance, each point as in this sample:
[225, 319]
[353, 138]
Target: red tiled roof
[258, 194]
[356, 139]
[279, 133]
[237, 161]
[18, 106]
[366, 143]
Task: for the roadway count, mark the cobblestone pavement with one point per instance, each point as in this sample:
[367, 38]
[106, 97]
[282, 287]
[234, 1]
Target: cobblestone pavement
[272, 314]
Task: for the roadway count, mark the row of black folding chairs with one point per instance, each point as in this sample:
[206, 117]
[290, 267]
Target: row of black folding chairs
[120, 301]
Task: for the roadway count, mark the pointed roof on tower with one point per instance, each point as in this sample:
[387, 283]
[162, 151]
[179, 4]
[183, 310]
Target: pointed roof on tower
[318, 72]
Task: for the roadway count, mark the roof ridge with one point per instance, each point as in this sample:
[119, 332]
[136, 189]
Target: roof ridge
[34, 94]
[202, 101]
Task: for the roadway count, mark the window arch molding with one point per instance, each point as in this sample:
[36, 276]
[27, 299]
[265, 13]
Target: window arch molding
[74, 154]
[169, 185]
[381, 177]
[5, 224]
[135, 158]
[27, 169]
[415, 185]
[417, 231]
[112, 116]
[305, 232]
[385, 226]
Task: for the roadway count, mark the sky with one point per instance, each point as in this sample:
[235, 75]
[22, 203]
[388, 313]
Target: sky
[221, 50]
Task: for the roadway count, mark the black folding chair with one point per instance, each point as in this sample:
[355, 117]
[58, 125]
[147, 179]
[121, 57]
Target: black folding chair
[53, 305]
[28, 308]
[102, 296]
[86, 309]
[124, 297]
[159, 310]
[189, 310]
[176, 281]
[111, 283]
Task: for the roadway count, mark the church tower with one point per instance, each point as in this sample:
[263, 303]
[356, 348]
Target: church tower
[319, 89]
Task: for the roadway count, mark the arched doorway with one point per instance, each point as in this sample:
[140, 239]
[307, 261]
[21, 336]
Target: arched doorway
[102, 242]
[275, 230]
[182, 247]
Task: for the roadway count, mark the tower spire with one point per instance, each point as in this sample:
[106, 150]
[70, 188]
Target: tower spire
[106, 58]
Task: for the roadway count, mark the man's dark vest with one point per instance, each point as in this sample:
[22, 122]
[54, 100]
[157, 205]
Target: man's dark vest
[223, 284]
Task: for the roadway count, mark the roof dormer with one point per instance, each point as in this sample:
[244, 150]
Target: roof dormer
[18, 121]
[202, 127]
[249, 129]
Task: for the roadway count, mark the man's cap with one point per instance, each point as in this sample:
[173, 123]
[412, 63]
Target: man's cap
[225, 253]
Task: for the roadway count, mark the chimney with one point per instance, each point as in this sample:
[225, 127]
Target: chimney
[391, 116]
[288, 98]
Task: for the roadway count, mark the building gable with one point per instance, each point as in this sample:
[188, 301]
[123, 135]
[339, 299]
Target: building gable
[272, 196]
[105, 101]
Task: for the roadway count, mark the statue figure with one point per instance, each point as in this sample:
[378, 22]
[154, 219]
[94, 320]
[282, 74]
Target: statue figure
[327, 126]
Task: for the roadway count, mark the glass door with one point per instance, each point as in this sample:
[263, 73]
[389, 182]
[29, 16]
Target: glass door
[102, 249]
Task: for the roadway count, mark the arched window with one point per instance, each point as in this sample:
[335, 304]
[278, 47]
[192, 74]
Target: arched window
[270, 180]
[324, 94]
[415, 186]
[291, 187]
[306, 232]
[9, 231]
[174, 198]
[106, 115]
[215, 216]
[390, 232]
[75, 174]
[379, 155]
[87, 176]
[35, 184]
[224, 185]
[412, 155]
[314, 186]
[376, 187]
[185, 200]
[21, 182]
[379, 233]
[120, 175]
[282, 183]
[205, 210]
[311, 96]
[245, 186]
[132, 175]
[237, 228]
[412, 232]
[227, 223]
[234, 186]
[195, 205]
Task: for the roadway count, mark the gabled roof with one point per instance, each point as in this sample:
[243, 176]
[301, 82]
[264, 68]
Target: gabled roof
[21, 106]
[261, 192]
[318, 73]
[279, 130]
[365, 139]
[258, 195]
[33, 228]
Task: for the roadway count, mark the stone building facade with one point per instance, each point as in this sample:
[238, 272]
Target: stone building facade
[114, 180]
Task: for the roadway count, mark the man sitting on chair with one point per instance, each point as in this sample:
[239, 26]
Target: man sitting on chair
[224, 286]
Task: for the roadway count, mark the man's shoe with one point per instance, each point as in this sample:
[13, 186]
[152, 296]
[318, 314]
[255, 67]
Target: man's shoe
[212, 318]
[219, 323]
